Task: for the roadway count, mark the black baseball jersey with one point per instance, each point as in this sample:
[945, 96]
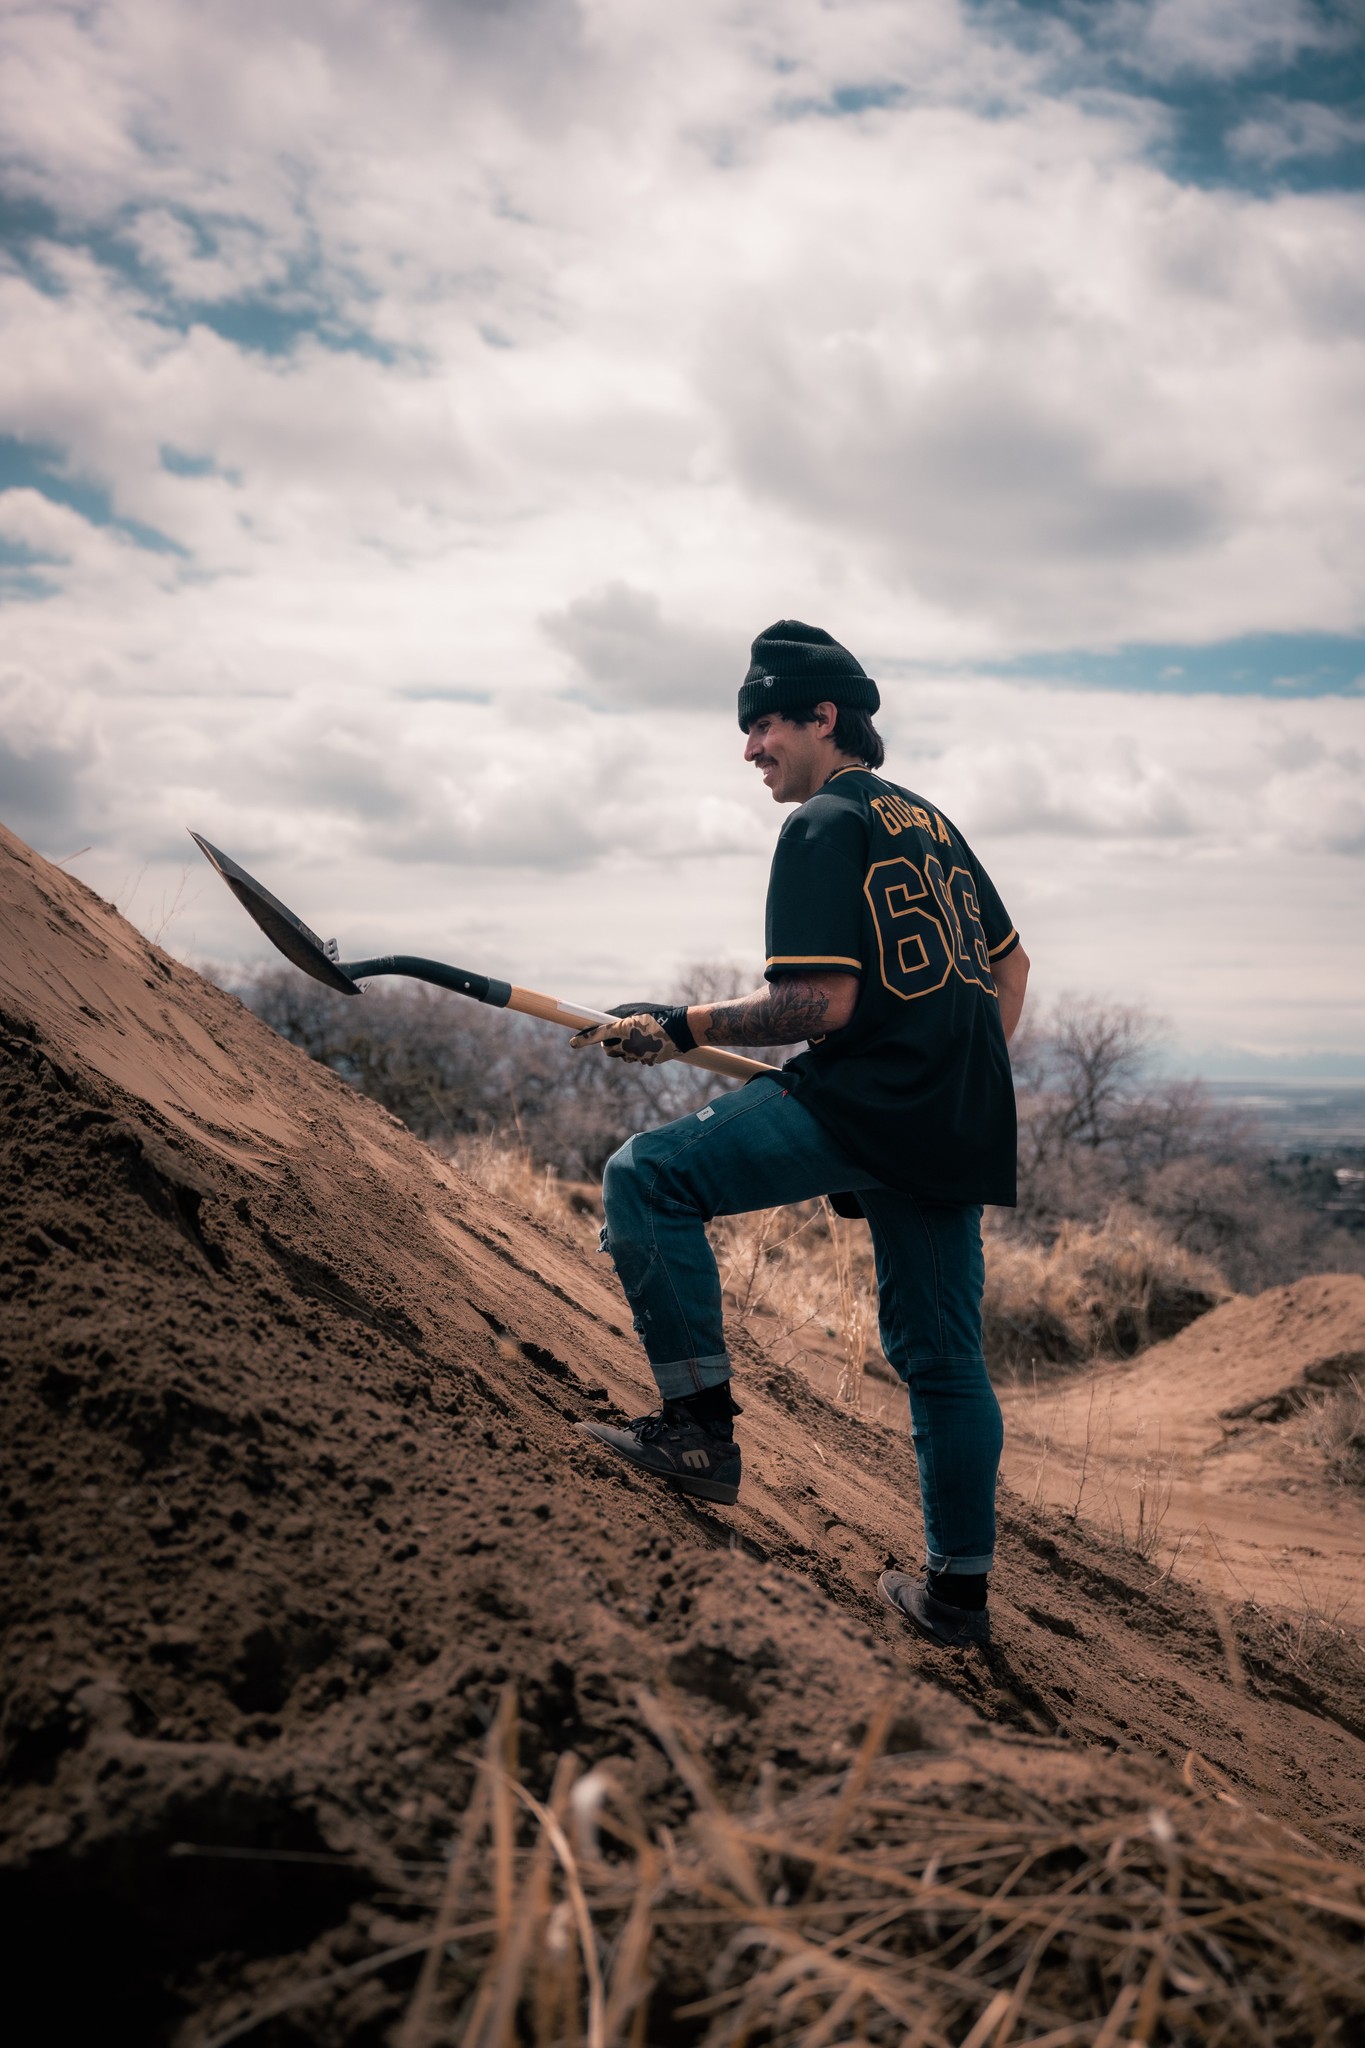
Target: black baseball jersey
[917, 1088]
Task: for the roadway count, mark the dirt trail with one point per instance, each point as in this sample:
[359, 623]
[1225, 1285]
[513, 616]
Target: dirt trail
[1194, 1442]
[290, 1490]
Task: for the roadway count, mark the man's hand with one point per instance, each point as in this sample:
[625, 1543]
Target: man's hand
[647, 1035]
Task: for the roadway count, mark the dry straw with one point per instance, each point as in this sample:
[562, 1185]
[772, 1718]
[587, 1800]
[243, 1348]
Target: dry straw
[1096, 1291]
[802, 1279]
[997, 1894]
[1334, 1424]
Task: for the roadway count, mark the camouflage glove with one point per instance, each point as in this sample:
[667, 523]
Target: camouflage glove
[647, 1034]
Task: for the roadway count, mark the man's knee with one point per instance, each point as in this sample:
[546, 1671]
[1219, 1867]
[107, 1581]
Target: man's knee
[621, 1185]
[649, 1172]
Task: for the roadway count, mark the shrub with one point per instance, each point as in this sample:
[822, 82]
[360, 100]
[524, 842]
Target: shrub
[452, 1069]
[1097, 1127]
[1099, 1137]
[1335, 1427]
[1095, 1291]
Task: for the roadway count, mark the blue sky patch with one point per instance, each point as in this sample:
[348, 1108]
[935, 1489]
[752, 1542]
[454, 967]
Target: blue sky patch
[39, 466]
[267, 322]
[16, 554]
[267, 327]
[22, 572]
[178, 463]
[1278, 665]
[1266, 123]
[870, 97]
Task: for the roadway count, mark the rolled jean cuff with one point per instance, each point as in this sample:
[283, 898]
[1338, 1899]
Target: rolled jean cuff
[937, 1562]
[684, 1376]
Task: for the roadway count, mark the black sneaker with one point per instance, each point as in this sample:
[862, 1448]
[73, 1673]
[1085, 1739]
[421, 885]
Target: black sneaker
[674, 1447]
[956, 1627]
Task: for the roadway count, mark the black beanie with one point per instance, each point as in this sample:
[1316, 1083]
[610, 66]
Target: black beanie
[795, 666]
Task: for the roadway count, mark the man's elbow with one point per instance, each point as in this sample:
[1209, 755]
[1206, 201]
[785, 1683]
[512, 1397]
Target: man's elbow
[840, 993]
[1011, 980]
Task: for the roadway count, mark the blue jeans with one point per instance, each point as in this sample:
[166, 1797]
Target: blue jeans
[756, 1149]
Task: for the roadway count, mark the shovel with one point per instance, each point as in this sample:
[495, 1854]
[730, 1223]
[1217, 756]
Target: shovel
[292, 937]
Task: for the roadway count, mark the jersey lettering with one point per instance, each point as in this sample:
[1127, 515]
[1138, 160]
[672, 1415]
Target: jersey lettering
[916, 957]
[928, 926]
[898, 816]
[974, 959]
[894, 813]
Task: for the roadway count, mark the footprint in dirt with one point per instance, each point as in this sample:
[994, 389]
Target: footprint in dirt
[859, 1557]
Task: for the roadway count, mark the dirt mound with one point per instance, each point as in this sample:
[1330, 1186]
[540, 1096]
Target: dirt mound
[292, 1496]
[1186, 1445]
[1258, 1347]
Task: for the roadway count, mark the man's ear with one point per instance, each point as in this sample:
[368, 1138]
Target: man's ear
[826, 718]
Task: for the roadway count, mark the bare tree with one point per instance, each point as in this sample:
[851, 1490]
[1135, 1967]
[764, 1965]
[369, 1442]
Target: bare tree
[1097, 1127]
[1086, 1062]
[450, 1069]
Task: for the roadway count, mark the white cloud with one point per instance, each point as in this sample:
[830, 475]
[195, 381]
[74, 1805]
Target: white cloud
[224, 260]
[47, 754]
[627, 655]
[1223, 38]
[676, 323]
[1290, 132]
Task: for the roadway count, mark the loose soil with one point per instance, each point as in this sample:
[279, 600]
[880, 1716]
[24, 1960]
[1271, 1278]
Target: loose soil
[1192, 1450]
[291, 1491]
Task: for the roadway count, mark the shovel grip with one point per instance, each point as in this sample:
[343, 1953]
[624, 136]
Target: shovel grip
[483, 988]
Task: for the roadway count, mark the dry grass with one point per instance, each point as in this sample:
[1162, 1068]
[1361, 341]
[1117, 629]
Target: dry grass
[1095, 1292]
[802, 1275]
[1128, 1492]
[857, 1308]
[804, 1278]
[1140, 1519]
[991, 1896]
[1335, 1427]
[564, 1207]
[770, 1262]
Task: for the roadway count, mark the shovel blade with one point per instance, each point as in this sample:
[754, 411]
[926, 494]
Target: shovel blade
[289, 934]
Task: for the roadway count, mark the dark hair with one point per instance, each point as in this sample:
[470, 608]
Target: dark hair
[854, 733]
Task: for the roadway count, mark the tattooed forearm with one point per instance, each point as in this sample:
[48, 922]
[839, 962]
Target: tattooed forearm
[782, 1013]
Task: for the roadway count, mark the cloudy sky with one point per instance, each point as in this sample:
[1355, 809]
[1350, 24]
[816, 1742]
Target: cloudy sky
[410, 413]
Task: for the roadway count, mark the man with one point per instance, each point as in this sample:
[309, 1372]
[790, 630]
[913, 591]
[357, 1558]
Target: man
[890, 953]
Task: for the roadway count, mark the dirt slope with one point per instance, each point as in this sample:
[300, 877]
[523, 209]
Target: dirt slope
[1201, 1430]
[290, 1490]
[1243, 1353]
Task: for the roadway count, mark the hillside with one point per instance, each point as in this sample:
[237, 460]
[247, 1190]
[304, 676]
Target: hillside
[292, 1494]
[1197, 1434]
